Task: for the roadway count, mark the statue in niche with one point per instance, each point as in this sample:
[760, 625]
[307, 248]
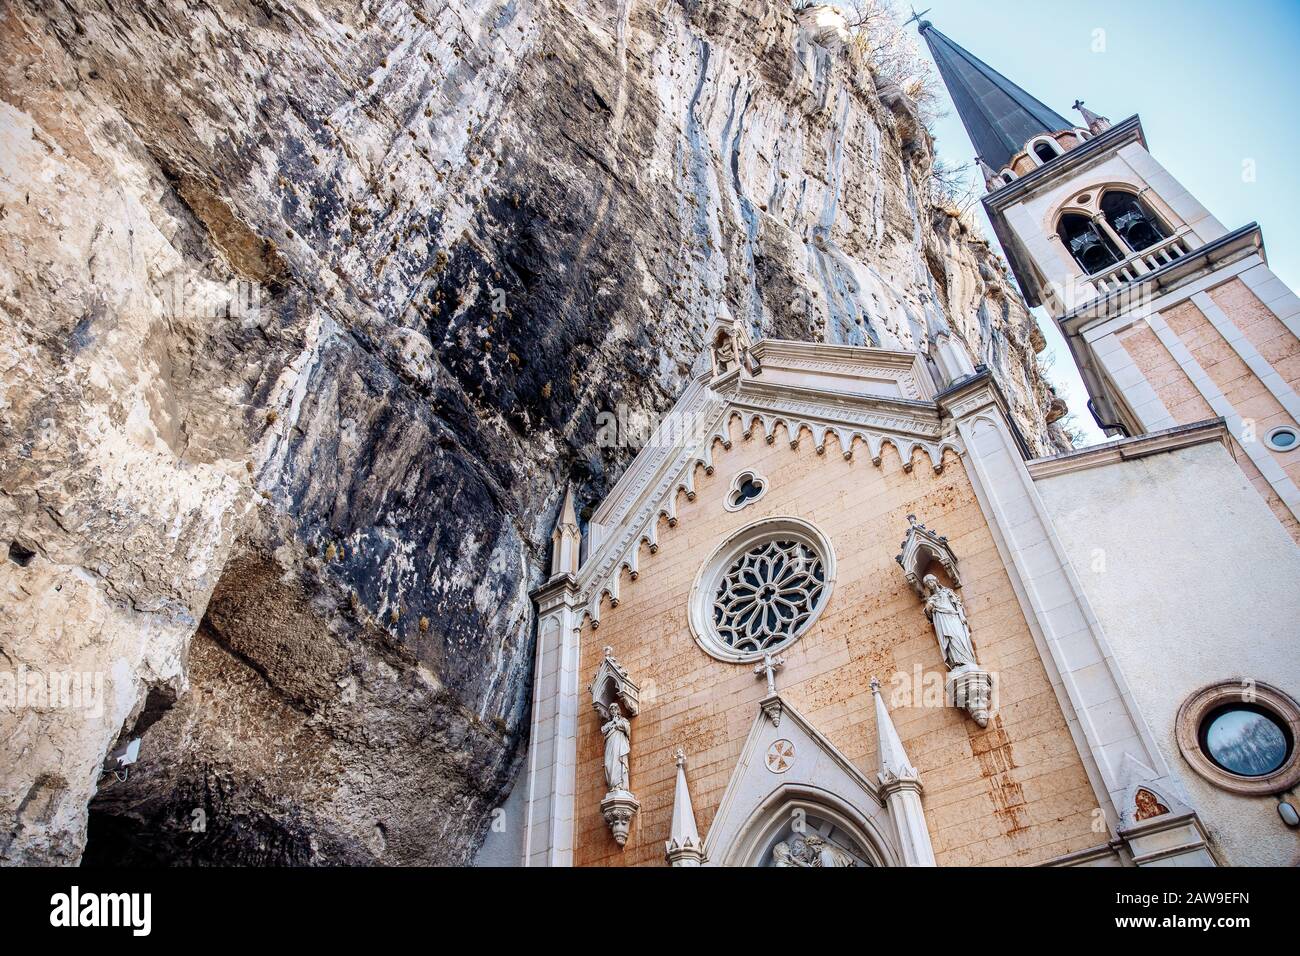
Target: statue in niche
[618, 744]
[732, 348]
[783, 856]
[724, 353]
[827, 854]
[944, 609]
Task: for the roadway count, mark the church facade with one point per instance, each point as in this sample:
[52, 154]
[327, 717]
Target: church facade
[835, 613]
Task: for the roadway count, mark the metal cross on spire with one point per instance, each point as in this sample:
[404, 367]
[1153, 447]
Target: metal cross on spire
[768, 668]
[916, 17]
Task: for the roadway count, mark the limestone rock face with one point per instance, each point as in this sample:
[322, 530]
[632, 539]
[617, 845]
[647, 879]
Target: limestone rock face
[307, 311]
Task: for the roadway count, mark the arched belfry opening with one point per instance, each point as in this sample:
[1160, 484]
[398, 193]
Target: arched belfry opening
[1132, 219]
[1091, 248]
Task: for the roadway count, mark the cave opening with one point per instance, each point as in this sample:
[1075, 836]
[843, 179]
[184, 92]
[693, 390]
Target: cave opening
[20, 555]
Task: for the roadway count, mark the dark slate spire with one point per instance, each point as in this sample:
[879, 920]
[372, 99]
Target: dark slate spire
[999, 116]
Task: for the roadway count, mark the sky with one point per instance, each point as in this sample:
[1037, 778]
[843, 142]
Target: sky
[1215, 83]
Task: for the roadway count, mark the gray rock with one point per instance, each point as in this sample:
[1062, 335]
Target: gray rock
[307, 310]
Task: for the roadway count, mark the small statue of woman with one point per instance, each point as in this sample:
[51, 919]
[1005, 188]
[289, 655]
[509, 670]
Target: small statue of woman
[945, 611]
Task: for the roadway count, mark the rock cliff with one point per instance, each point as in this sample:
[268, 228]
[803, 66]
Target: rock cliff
[307, 310]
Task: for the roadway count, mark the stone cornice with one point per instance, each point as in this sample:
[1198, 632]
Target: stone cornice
[901, 415]
[1130, 449]
[849, 354]
[1109, 851]
[554, 589]
[1243, 242]
[1067, 164]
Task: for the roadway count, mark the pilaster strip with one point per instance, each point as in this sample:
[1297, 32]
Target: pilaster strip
[1247, 352]
[1116, 746]
[1268, 467]
[1142, 400]
[1275, 294]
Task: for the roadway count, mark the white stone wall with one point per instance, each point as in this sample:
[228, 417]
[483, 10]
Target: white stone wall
[1194, 582]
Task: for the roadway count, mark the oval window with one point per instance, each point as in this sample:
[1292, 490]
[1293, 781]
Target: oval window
[1283, 438]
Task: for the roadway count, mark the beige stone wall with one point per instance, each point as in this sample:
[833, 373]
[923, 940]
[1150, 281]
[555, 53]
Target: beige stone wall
[1014, 793]
[1239, 385]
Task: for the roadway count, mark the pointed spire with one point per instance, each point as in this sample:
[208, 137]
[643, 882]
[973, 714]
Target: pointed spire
[683, 847]
[566, 539]
[901, 786]
[1096, 124]
[991, 180]
[999, 116]
[894, 765]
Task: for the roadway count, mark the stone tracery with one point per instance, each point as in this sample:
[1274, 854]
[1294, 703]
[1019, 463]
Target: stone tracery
[768, 595]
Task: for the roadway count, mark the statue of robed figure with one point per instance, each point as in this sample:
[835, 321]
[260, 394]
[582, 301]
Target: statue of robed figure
[946, 613]
[618, 744]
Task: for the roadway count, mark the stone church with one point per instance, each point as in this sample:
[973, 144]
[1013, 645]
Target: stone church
[837, 612]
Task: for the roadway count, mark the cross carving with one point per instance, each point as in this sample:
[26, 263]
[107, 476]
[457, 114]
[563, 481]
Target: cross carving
[768, 668]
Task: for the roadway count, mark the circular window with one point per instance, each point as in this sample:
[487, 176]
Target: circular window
[1283, 438]
[1241, 736]
[1245, 740]
[761, 589]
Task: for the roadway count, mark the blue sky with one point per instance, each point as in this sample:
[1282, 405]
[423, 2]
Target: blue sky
[1214, 82]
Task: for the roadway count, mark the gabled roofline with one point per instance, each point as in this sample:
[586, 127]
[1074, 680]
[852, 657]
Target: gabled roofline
[728, 822]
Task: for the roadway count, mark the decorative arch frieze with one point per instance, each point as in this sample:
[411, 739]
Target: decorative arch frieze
[666, 467]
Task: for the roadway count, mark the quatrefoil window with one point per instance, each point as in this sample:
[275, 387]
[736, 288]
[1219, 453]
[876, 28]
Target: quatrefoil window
[762, 589]
[746, 488]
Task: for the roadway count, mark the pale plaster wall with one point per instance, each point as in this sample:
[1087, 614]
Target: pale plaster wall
[1200, 584]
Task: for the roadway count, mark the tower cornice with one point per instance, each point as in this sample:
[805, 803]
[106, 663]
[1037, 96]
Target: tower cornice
[1089, 151]
[1239, 244]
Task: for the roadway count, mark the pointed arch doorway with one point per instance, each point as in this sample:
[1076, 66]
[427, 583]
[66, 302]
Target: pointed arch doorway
[795, 800]
[800, 829]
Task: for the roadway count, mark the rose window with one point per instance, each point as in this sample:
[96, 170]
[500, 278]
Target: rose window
[768, 595]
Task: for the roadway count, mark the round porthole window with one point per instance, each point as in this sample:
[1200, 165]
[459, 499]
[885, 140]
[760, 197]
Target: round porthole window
[761, 589]
[1245, 740]
[1241, 735]
[1283, 438]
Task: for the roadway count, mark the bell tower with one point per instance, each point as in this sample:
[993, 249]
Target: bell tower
[1171, 318]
